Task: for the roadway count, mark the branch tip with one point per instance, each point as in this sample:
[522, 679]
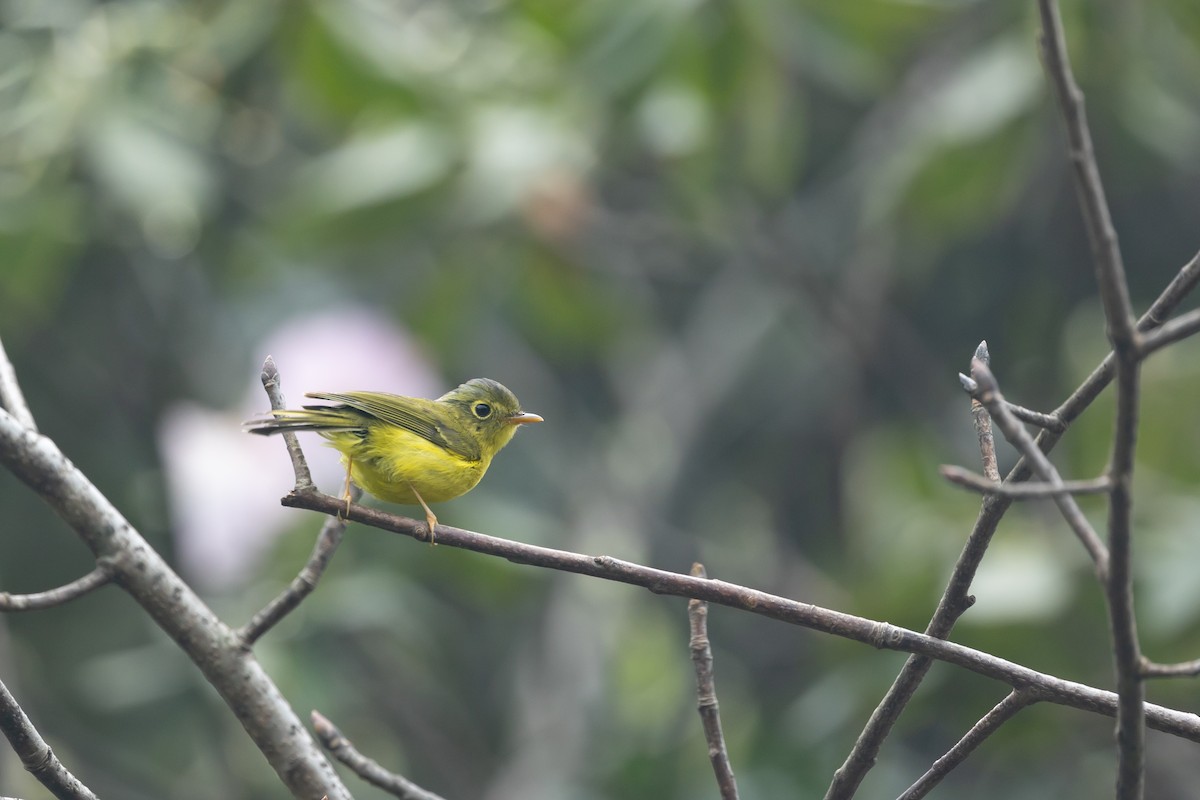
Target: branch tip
[982, 353]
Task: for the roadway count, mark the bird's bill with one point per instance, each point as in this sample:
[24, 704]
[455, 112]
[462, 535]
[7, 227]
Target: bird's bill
[524, 418]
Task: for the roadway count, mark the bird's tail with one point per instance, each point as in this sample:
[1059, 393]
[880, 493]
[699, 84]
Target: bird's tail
[322, 419]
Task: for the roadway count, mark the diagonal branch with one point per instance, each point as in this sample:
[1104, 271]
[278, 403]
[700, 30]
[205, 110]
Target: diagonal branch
[98, 577]
[1005, 710]
[35, 754]
[366, 768]
[706, 692]
[303, 584]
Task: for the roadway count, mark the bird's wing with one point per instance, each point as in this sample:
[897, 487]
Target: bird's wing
[422, 417]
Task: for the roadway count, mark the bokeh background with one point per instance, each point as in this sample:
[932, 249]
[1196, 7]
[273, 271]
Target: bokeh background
[734, 252]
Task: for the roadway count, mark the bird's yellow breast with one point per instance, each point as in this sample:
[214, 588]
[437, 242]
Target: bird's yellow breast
[390, 462]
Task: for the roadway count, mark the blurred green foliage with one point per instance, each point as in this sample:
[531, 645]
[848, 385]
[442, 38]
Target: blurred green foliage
[734, 252]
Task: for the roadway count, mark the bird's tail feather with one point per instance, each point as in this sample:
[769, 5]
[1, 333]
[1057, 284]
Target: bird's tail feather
[321, 419]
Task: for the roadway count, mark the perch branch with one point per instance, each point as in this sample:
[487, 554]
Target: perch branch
[98, 577]
[366, 768]
[877, 634]
[35, 754]
[706, 693]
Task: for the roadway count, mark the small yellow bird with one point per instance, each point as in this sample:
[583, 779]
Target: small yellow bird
[407, 449]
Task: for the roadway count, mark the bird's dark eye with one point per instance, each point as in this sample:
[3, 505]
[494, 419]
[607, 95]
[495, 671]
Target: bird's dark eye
[482, 410]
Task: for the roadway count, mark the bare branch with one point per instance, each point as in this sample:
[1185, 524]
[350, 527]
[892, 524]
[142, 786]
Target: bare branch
[706, 691]
[877, 634]
[210, 644]
[11, 397]
[1174, 331]
[987, 392]
[270, 382]
[366, 768]
[303, 584]
[1021, 491]
[57, 596]
[1005, 710]
[35, 754]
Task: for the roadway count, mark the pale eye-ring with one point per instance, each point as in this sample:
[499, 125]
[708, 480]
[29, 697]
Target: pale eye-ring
[482, 410]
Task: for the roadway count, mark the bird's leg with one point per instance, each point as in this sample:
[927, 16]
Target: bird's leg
[430, 517]
[346, 488]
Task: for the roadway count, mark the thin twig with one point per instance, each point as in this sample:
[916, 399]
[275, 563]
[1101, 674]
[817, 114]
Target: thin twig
[270, 382]
[303, 584]
[1021, 491]
[956, 599]
[1047, 421]
[35, 754]
[11, 397]
[1176, 330]
[706, 692]
[984, 388]
[1005, 710]
[1183, 669]
[34, 601]
[366, 768]
[867, 631]
[983, 425]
